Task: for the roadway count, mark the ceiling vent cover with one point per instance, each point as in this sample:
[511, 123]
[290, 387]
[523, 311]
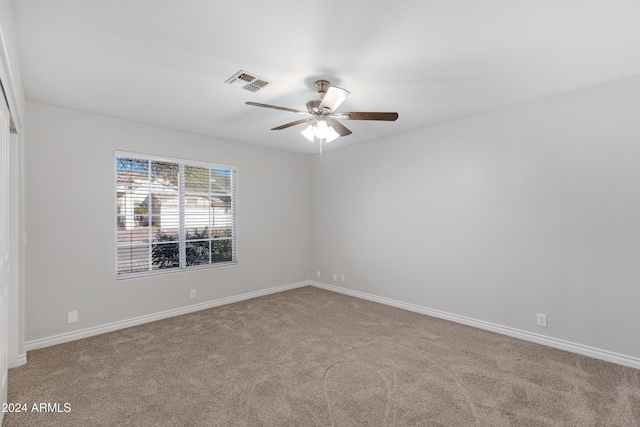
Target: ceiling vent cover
[248, 81]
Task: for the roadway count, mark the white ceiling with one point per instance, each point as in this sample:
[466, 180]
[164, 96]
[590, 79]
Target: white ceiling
[165, 62]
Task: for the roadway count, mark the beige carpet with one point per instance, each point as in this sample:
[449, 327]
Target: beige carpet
[310, 357]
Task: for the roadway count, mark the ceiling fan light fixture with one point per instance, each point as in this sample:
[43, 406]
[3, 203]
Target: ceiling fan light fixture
[325, 131]
[321, 129]
[331, 134]
[309, 132]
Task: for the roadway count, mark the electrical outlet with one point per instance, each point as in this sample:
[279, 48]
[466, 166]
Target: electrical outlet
[542, 320]
[72, 316]
[318, 273]
[335, 277]
[192, 294]
[342, 277]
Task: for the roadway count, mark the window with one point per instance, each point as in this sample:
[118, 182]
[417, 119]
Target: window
[173, 214]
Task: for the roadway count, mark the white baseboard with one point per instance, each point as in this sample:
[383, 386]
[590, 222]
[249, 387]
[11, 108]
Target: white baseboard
[110, 327]
[22, 359]
[572, 347]
[584, 350]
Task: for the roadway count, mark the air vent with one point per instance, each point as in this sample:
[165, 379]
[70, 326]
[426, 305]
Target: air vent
[251, 88]
[248, 81]
[260, 83]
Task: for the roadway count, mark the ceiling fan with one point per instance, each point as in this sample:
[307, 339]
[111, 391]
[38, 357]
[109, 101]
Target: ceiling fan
[322, 116]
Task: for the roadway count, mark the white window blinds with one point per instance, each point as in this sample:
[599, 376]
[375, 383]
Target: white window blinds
[173, 214]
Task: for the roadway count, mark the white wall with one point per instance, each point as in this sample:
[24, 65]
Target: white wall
[497, 217]
[70, 216]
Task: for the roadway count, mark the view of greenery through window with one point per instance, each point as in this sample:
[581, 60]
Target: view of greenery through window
[173, 215]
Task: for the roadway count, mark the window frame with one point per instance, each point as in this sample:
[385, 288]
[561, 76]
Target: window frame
[182, 239]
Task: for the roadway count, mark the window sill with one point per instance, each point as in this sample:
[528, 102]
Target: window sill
[166, 271]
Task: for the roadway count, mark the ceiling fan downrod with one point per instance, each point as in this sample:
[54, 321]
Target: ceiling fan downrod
[322, 86]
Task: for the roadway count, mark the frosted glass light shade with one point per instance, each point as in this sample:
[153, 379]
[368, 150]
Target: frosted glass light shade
[322, 129]
[331, 134]
[309, 132]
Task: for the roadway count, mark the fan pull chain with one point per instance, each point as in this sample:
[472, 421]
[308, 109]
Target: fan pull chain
[320, 141]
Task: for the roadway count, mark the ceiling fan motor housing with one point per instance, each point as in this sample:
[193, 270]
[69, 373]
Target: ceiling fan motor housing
[314, 106]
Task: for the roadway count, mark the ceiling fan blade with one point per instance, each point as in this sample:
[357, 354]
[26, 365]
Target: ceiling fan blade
[333, 98]
[275, 107]
[339, 127]
[387, 117]
[288, 125]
